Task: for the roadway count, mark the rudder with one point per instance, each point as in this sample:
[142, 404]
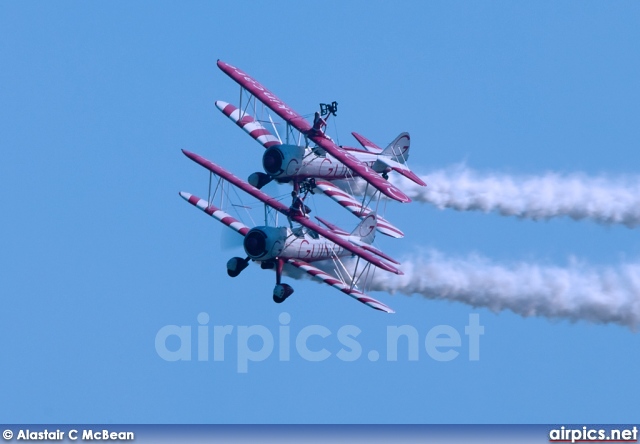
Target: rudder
[398, 150]
[366, 229]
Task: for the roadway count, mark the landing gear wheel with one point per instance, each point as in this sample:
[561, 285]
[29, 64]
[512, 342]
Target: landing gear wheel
[281, 292]
[235, 265]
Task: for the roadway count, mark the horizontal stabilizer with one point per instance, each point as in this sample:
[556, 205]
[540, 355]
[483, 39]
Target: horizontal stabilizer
[374, 250]
[402, 169]
[332, 227]
[366, 143]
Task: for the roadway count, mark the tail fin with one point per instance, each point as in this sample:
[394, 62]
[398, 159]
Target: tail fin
[395, 157]
[366, 229]
[398, 150]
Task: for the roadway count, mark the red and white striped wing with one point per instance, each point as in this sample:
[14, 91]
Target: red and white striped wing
[250, 126]
[347, 201]
[328, 279]
[265, 96]
[216, 213]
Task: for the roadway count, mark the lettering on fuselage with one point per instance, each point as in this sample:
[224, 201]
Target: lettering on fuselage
[316, 250]
[326, 167]
[311, 249]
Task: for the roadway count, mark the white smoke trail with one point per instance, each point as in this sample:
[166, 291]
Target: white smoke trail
[602, 199]
[578, 292]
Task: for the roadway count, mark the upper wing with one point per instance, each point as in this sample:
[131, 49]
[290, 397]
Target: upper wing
[351, 204]
[215, 212]
[265, 96]
[251, 126]
[244, 186]
[301, 124]
[279, 206]
[327, 278]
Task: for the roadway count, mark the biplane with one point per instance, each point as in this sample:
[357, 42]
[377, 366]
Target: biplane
[315, 168]
[300, 244]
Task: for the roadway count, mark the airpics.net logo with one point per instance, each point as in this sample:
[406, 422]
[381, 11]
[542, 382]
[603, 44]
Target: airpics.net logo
[313, 343]
[591, 434]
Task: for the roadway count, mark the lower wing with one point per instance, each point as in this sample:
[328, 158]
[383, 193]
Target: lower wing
[351, 204]
[328, 279]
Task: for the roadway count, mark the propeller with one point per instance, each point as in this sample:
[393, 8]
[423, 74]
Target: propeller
[231, 240]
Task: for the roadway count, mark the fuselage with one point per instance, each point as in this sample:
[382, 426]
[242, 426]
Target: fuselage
[266, 243]
[286, 162]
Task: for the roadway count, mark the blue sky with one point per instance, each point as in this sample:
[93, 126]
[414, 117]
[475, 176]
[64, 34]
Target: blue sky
[99, 252]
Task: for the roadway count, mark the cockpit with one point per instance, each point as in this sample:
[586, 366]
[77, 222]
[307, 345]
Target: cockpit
[301, 232]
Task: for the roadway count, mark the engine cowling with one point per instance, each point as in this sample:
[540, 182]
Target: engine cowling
[282, 160]
[264, 243]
